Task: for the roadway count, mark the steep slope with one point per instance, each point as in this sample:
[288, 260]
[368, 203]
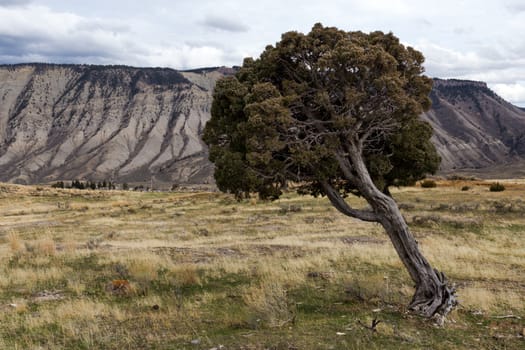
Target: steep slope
[473, 127]
[63, 122]
[103, 122]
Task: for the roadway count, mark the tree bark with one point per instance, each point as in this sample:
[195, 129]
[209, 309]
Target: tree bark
[433, 294]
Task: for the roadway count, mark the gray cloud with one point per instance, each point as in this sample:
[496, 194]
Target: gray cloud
[11, 46]
[515, 6]
[478, 41]
[16, 50]
[86, 25]
[224, 23]
[14, 2]
[37, 33]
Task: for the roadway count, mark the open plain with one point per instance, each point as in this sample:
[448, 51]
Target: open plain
[199, 270]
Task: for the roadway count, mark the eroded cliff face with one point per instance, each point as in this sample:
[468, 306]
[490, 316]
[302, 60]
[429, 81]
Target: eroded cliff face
[473, 127]
[64, 122]
[93, 122]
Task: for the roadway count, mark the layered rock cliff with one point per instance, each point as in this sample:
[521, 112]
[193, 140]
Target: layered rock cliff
[103, 122]
[473, 127]
[62, 122]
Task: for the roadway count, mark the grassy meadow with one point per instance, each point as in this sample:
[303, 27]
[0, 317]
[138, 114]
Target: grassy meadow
[199, 270]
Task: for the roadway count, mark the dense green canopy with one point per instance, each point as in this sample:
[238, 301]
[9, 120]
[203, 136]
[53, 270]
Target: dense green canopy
[299, 110]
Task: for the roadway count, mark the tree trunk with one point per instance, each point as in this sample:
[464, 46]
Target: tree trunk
[433, 294]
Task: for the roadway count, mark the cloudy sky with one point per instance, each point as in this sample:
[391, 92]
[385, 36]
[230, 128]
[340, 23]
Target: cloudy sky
[465, 39]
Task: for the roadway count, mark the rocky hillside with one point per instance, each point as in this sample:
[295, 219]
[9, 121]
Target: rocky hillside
[61, 122]
[473, 127]
[103, 122]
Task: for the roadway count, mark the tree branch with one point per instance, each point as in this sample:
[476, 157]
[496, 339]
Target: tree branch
[346, 167]
[340, 204]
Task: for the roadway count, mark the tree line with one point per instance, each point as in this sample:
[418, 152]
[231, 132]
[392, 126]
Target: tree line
[89, 185]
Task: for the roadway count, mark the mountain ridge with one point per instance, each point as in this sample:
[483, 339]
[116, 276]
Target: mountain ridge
[473, 126]
[128, 124]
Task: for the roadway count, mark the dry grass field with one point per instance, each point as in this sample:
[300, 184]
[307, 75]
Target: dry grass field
[130, 270]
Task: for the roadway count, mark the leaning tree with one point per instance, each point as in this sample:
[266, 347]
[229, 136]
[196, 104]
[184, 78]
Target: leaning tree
[337, 112]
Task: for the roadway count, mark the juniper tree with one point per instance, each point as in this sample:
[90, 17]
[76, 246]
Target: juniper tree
[337, 112]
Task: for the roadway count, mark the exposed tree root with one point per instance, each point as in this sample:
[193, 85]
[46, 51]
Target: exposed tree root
[437, 299]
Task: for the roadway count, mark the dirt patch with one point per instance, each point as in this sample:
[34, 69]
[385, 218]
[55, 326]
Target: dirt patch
[8, 227]
[269, 228]
[186, 255]
[47, 295]
[273, 249]
[226, 251]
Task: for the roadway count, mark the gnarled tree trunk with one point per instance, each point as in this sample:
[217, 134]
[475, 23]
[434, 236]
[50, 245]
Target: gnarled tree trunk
[433, 294]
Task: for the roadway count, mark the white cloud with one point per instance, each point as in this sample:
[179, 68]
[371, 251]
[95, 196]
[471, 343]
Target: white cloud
[506, 75]
[514, 93]
[185, 57]
[515, 6]
[37, 31]
[466, 39]
[446, 63]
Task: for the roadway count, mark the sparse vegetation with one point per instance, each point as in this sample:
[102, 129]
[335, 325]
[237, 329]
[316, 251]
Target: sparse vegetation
[456, 177]
[91, 185]
[496, 187]
[428, 183]
[134, 271]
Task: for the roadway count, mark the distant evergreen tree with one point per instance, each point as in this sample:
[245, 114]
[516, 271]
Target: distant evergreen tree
[58, 184]
[78, 185]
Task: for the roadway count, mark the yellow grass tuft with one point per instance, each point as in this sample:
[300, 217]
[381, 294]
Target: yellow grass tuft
[46, 247]
[478, 297]
[186, 275]
[15, 244]
[268, 301]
